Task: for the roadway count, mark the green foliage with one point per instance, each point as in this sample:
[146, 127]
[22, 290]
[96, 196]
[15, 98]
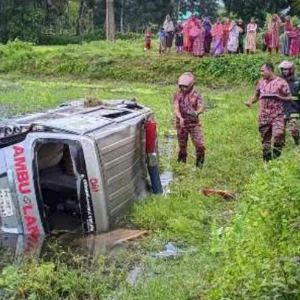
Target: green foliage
[94, 35]
[125, 60]
[261, 247]
[200, 7]
[295, 21]
[128, 36]
[256, 8]
[25, 22]
[17, 55]
[50, 39]
[47, 280]
[28, 19]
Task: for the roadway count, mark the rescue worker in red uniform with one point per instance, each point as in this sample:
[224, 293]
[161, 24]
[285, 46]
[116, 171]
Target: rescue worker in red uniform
[188, 105]
[291, 108]
[271, 92]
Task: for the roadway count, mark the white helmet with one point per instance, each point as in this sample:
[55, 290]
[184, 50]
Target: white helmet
[286, 65]
[186, 79]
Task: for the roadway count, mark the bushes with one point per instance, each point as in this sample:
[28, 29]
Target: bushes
[261, 248]
[128, 36]
[16, 56]
[49, 39]
[127, 61]
[96, 35]
[22, 19]
[49, 280]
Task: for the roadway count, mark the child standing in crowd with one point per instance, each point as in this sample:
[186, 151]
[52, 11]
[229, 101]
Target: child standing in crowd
[179, 38]
[161, 41]
[148, 37]
[241, 30]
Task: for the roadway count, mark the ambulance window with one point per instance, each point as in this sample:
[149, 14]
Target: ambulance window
[57, 186]
[115, 115]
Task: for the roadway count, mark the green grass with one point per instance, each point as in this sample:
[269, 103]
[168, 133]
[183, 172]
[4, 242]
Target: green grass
[246, 249]
[126, 60]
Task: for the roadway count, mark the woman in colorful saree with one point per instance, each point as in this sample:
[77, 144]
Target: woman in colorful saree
[251, 37]
[295, 42]
[217, 33]
[286, 36]
[274, 28]
[198, 47]
[233, 42]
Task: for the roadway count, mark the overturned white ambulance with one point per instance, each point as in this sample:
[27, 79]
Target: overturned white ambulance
[75, 167]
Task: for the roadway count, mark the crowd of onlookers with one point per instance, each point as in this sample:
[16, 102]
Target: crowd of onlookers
[202, 37]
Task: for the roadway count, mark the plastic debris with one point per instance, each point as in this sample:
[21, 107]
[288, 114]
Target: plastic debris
[171, 251]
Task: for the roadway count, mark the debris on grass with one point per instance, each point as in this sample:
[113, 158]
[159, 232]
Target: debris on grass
[227, 196]
[171, 251]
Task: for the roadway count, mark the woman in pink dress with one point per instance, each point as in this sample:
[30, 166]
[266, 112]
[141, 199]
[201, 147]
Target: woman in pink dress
[274, 28]
[187, 41]
[226, 34]
[217, 33]
[199, 42]
[251, 37]
[286, 36]
[295, 42]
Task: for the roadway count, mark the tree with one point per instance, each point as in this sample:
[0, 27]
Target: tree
[110, 20]
[256, 8]
[201, 7]
[80, 30]
[56, 15]
[21, 19]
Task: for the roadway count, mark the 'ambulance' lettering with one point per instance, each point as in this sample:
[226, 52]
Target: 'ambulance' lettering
[31, 222]
[21, 170]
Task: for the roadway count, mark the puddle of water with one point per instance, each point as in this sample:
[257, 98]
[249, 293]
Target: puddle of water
[134, 275]
[166, 179]
[166, 148]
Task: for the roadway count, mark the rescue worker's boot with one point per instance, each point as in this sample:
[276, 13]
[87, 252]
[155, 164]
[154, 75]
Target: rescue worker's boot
[267, 155]
[181, 158]
[199, 161]
[277, 151]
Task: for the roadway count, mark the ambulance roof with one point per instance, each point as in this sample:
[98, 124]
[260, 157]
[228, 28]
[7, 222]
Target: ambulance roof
[73, 117]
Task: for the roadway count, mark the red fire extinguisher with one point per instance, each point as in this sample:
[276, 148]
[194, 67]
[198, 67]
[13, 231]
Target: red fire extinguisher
[151, 136]
[152, 155]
